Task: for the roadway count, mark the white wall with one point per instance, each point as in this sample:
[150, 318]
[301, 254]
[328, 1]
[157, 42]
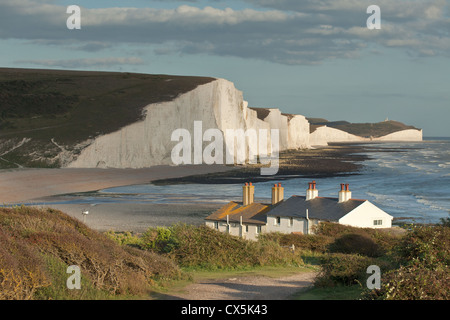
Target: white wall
[236, 229]
[364, 215]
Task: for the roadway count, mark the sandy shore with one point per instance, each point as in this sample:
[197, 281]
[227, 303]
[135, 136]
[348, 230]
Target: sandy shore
[136, 217]
[29, 185]
[37, 186]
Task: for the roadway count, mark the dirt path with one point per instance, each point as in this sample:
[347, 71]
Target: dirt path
[247, 288]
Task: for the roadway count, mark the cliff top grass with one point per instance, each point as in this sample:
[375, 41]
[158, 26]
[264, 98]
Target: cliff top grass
[73, 106]
[76, 105]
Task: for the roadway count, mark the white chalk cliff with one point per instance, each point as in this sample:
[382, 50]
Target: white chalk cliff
[324, 135]
[218, 105]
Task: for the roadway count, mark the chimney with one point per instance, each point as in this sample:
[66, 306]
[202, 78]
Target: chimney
[245, 198]
[277, 193]
[280, 192]
[251, 193]
[345, 194]
[312, 192]
[274, 194]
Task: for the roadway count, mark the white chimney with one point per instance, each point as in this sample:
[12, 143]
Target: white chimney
[345, 194]
[312, 192]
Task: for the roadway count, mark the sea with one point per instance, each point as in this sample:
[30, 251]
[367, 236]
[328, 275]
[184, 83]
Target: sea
[412, 184]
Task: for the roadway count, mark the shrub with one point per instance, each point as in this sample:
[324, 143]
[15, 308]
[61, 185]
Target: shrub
[424, 272]
[309, 242]
[428, 244]
[356, 243]
[203, 247]
[414, 282]
[342, 269]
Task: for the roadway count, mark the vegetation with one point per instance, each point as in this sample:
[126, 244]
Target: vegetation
[37, 246]
[200, 247]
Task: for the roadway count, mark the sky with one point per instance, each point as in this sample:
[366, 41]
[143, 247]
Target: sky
[310, 57]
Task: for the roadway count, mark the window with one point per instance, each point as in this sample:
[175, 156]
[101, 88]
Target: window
[258, 229]
[216, 224]
[291, 222]
[246, 228]
[377, 222]
[277, 221]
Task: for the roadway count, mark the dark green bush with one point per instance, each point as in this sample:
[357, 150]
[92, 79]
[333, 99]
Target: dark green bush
[429, 244]
[356, 243]
[342, 269]
[203, 247]
[424, 272]
[316, 243]
[414, 282]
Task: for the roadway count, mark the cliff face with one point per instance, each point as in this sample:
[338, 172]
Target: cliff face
[324, 135]
[217, 104]
[58, 118]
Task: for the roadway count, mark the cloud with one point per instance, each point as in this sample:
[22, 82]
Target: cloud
[83, 63]
[281, 31]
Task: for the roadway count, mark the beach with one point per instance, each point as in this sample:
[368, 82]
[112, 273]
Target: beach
[44, 187]
[38, 186]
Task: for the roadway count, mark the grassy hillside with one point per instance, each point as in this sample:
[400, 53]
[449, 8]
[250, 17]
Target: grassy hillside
[366, 130]
[73, 106]
[37, 246]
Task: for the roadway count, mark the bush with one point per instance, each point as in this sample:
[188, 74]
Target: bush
[424, 272]
[203, 247]
[428, 244]
[356, 243]
[414, 282]
[342, 269]
[309, 242]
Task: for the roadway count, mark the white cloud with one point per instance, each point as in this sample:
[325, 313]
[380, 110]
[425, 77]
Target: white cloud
[283, 31]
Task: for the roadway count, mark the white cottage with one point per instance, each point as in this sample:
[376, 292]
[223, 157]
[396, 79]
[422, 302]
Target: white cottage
[296, 214]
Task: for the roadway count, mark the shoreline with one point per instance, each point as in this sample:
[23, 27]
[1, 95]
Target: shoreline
[335, 160]
[41, 187]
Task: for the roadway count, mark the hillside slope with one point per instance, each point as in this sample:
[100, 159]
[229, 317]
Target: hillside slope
[46, 115]
[37, 246]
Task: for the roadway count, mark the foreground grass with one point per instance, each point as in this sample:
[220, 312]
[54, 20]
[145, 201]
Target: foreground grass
[37, 246]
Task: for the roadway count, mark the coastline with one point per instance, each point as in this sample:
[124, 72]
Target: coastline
[41, 187]
[338, 159]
